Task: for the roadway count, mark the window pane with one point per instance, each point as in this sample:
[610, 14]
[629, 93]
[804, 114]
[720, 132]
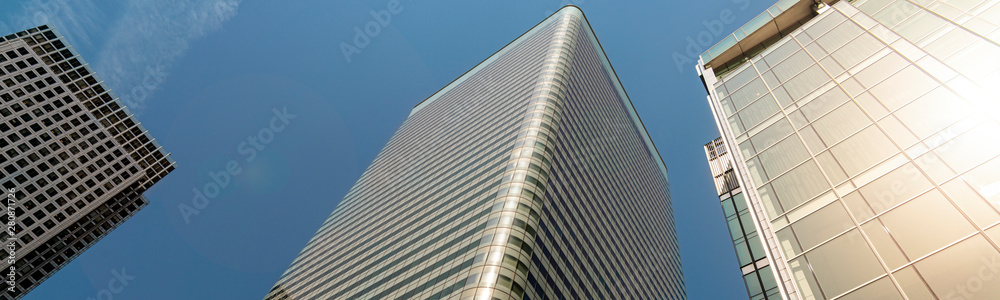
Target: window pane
[831, 167]
[881, 69]
[799, 185]
[925, 224]
[736, 125]
[894, 188]
[899, 133]
[743, 253]
[771, 205]
[858, 207]
[756, 247]
[740, 202]
[824, 104]
[964, 269]
[872, 7]
[971, 203]
[971, 148]
[772, 134]
[734, 228]
[977, 60]
[822, 225]
[727, 107]
[863, 150]
[857, 51]
[919, 26]
[753, 284]
[952, 42]
[727, 208]
[770, 80]
[844, 263]
[789, 244]
[871, 105]
[903, 87]
[781, 52]
[839, 36]
[806, 82]
[759, 111]
[720, 90]
[895, 12]
[742, 78]
[832, 66]
[825, 23]
[755, 89]
[747, 223]
[747, 149]
[783, 156]
[944, 106]
[840, 123]
[812, 140]
[986, 180]
[756, 172]
[792, 66]
[767, 278]
[912, 284]
[804, 277]
[885, 246]
[797, 118]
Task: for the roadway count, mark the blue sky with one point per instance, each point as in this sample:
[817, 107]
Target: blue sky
[204, 76]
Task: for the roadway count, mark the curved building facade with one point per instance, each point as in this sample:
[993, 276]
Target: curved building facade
[529, 177]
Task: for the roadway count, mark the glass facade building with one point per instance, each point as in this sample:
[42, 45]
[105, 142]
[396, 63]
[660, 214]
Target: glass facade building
[863, 135]
[528, 177]
[75, 157]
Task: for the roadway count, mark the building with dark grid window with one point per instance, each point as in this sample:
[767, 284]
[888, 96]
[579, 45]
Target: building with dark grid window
[74, 160]
[863, 137]
[753, 262]
[528, 177]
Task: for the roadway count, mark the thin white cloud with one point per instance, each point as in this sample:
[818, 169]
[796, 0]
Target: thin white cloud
[150, 37]
[140, 43]
[76, 19]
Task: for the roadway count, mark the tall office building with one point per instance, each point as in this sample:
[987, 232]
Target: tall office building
[528, 177]
[76, 158]
[864, 136]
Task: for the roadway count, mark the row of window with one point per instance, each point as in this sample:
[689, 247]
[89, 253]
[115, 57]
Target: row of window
[460, 166]
[493, 136]
[598, 224]
[55, 253]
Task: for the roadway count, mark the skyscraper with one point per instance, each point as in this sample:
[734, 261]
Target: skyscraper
[530, 176]
[864, 137]
[74, 160]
